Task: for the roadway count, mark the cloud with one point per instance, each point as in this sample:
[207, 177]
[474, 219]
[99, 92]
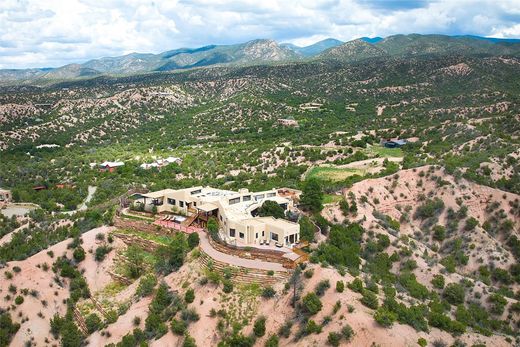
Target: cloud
[37, 33]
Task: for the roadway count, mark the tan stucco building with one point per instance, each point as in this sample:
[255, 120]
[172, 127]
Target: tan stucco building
[236, 212]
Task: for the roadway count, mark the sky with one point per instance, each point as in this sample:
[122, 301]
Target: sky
[51, 33]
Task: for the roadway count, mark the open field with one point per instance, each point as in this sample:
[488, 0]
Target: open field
[333, 173]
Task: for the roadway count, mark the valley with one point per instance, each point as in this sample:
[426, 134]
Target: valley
[399, 168]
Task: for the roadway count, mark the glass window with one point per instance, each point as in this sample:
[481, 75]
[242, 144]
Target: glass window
[234, 201]
[171, 201]
[259, 197]
[270, 195]
[232, 232]
[198, 191]
[274, 237]
[246, 198]
[181, 203]
[241, 235]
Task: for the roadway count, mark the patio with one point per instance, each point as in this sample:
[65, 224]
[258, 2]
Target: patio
[178, 226]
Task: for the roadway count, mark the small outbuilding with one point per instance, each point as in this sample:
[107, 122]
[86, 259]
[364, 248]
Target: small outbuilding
[394, 143]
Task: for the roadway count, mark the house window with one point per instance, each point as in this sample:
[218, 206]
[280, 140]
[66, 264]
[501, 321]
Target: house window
[232, 232]
[181, 203]
[246, 198]
[198, 191]
[263, 233]
[274, 237]
[241, 235]
[259, 197]
[270, 195]
[171, 201]
[194, 203]
[234, 201]
[256, 236]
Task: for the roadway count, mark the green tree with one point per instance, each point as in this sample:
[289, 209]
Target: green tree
[311, 303]
[193, 240]
[259, 326]
[312, 195]
[135, 259]
[306, 229]
[454, 293]
[271, 209]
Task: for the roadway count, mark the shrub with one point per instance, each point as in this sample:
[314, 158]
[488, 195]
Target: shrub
[285, 330]
[268, 292]
[438, 281]
[101, 252]
[471, 223]
[189, 342]
[347, 332]
[228, 286]
[78, 254]
[178, 326]
[146, 285]
[189, 296]
[333, 339]
[429, 209]
[311, 303]
[454, 293]
[340, 286]
[93, 323]
[369, 299]
[189, 315]
[422, 342]
[259, 326]
[272, 341]
[415, 289]
[18, 300]
[356, 285]
[321, 287]
[312, 327]
[308, 273]
[385, 317]
[439, 233]
[498, 303]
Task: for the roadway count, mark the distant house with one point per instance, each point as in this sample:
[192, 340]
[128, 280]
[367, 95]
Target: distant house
[5, 196]
[310, 106]
[161, 162]
[110, 166]
[394, 143]
[288, 122]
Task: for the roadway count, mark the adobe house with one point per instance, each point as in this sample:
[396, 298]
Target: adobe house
[110, 166]
[236, 213]
[5, 196]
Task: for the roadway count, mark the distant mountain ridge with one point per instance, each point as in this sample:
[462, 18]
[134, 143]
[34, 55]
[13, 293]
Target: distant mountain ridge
[265, 51]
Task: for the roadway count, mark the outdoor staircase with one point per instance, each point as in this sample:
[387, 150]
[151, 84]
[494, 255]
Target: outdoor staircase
[188, 221]
[243, 275]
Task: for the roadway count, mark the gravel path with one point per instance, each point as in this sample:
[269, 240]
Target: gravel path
[233, 260]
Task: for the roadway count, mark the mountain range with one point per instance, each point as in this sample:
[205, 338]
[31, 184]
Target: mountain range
[265, 51]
